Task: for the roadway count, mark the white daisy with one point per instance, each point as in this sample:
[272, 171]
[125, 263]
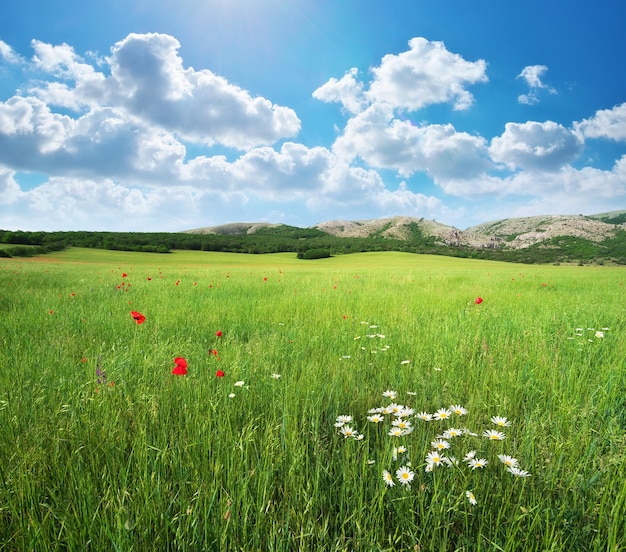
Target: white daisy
[500, 421]
[396, 432]
[508, 461]
[348, 431]
[493, 435]
[452, 432]
[469, 456]
[435, 458]
[405, 475]
[442, 414]
[388, 479]
[402, 424]
[476, 463]
[440, 444]
[517, 472]
[405, 412]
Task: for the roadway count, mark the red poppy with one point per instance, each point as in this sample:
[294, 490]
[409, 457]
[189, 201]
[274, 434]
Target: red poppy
[218, 333]
[213, 352]
[220, 374]
[181, 367]
[139, 318]
[124, 275]
[478, 300]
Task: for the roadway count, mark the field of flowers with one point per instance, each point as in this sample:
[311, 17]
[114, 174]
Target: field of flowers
[379, 401]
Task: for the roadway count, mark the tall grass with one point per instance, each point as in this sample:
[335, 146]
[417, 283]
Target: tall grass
[102, 448]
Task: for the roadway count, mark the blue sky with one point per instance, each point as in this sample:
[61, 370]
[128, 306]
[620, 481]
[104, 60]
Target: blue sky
[171, 115]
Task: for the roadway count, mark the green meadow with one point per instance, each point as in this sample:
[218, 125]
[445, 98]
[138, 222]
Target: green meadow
[363, 402]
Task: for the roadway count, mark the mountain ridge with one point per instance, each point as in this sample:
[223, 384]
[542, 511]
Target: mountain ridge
[508, 233]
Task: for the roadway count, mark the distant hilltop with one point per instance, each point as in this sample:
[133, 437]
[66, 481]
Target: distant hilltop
[511, 233]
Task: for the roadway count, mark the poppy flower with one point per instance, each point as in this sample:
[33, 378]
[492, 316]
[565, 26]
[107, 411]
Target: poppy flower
[124, 275]
[218, 333]
[181, 367]
[139, 318]
[220, 374]
[478, 300]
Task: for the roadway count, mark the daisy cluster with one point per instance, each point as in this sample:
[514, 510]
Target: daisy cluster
[399, 422]
[588, 335]
[374, 337]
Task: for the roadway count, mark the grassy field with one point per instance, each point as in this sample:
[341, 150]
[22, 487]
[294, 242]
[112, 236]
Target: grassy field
[281, 434]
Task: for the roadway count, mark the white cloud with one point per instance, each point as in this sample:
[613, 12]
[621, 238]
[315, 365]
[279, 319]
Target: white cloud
[294, 171]
[113, 136]
[9, 189]
[606, 123]
[566, 191]
[350, 188]
[199, 106]
[8, 54]
[532, 75]
[148, 81]
[426, 74]
[345, 90]
[534, 146]
[384, 141]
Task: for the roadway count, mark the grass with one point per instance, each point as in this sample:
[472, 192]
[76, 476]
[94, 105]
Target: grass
[104, 449]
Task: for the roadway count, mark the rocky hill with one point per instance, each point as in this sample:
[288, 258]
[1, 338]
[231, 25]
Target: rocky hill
[235, 228]
[513, 233]
[523, 232]
[403, 228]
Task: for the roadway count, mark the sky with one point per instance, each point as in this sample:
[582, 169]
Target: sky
[165, 116]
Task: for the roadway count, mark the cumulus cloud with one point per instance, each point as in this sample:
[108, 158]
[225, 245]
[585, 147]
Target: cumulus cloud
[346, 90]
[534, 146]
[8, 54]
[9, 189]
[102, 142]
[294, 171]
[567, 191]
[384, 141]
[114, 134]
[606, 123]
[149, 81]
[356, 188]
[200, 106]
[532, 75]
[426, 74]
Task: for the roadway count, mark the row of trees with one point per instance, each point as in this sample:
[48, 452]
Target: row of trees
[309, 243]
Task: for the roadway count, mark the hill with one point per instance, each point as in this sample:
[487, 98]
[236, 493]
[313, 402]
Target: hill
[512, 233]
[545, 239]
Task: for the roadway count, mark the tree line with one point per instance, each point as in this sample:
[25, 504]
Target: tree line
[309, 243]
